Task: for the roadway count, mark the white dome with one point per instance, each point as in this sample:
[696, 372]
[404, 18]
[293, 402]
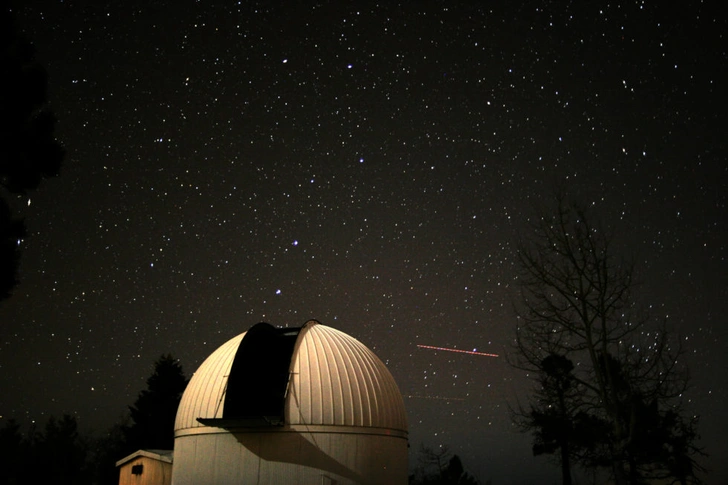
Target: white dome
[317, 374]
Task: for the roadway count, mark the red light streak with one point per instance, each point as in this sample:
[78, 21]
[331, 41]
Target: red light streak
[446, 349]
[438, 398]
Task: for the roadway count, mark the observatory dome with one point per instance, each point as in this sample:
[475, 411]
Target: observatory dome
[291, 404]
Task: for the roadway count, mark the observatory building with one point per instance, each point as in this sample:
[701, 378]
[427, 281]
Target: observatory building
[308, 405]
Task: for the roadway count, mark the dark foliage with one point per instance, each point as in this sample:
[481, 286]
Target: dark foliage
[440, 468]
[660, 441]
[29, 151]
[13, 453]
[619, 411]
[552, 419]
[61, 455]
[11, 231]
[455, 474]
[56, 455]
[149, 425]
[155, 409]
[106, 451]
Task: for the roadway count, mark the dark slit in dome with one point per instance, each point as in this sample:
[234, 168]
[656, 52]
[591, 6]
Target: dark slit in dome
[256, 386]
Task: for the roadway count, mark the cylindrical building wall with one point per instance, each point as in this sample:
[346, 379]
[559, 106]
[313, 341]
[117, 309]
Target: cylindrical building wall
[291, 456]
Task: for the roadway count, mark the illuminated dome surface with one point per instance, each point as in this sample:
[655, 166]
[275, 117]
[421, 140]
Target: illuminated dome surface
[313, 376]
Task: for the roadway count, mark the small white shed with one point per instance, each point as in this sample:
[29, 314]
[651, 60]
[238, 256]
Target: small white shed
[146, 467]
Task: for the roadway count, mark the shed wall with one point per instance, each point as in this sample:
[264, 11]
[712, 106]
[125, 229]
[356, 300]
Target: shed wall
[155, 472]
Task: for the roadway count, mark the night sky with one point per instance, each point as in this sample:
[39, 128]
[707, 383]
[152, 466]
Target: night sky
[371, 166]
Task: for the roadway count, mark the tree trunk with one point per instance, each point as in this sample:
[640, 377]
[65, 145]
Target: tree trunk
[620, 477]
[565, 465]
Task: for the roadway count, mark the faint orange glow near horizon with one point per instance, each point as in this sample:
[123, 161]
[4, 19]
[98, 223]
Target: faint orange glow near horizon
[447, 349]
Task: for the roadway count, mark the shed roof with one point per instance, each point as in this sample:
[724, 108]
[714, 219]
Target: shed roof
[159, 455]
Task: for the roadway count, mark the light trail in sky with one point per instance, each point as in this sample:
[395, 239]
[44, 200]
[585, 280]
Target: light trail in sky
[436, 398]
[446, 349]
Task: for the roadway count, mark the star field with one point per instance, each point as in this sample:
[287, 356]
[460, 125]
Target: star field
[371, 166]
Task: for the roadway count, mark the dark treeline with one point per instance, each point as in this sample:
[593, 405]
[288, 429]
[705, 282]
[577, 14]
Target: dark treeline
[440, 467]
[59, 453]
